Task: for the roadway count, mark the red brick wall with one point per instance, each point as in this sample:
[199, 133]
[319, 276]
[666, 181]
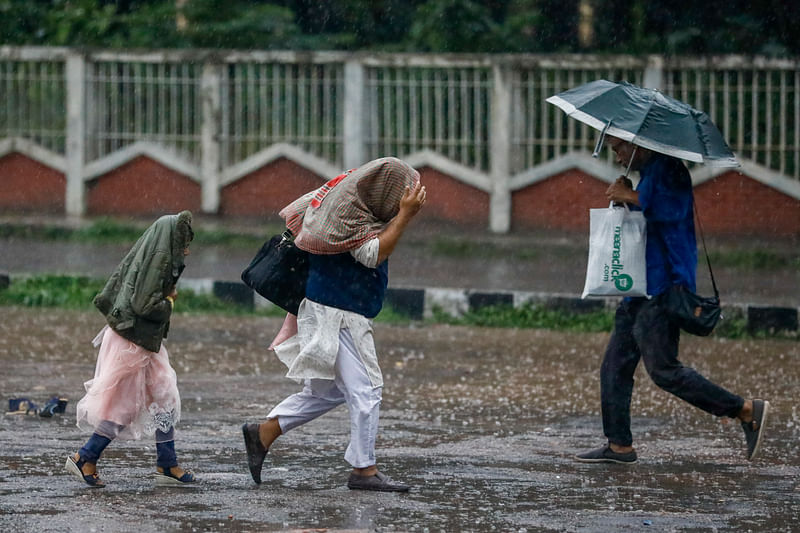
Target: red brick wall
[560, 202]
[267, 190]
[450, 200]
[28, 186]
[733, 203]
[142, 187]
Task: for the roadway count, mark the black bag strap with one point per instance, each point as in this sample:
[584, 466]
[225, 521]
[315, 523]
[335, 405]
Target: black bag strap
[705, 250]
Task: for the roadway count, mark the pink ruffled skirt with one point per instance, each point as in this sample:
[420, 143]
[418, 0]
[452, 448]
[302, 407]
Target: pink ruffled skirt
[134, 391]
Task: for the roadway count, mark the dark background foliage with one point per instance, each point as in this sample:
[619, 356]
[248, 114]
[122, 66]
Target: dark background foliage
[667, 27]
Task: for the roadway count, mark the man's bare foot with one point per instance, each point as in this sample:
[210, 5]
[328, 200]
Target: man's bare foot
[746, 413]
[269, 431]
[368, 471]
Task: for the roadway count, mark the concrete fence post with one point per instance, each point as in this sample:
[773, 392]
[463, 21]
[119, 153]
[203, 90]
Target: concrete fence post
[500, 150]
[654, 73]
[353, 149]
[76, 134]
[210, 150]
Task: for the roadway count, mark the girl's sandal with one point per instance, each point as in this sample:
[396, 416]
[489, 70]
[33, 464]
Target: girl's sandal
[168, 479]
[76, 467]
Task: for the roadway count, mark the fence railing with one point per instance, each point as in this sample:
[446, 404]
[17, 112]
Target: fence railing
[213, 110]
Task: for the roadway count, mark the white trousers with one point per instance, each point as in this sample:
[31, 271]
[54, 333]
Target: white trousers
[352, 386]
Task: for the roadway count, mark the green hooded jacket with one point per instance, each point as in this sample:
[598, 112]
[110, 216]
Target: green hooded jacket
[134, 297]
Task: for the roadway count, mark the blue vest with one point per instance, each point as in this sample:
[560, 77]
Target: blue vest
[342, 282]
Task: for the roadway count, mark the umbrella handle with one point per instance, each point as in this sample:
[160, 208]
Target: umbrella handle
[633, 154]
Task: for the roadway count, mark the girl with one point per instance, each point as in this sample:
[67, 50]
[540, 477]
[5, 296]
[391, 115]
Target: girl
[134, 390]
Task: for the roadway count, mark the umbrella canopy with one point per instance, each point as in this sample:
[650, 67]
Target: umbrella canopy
[647, 118]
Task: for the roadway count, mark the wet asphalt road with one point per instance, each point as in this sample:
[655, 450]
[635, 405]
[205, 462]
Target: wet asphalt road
[482, 423]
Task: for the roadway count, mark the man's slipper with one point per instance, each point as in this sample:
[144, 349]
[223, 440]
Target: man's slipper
[754, 430]
[255, 450]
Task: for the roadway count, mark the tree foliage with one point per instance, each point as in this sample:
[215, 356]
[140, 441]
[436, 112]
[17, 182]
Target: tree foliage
[481, 26]
[709, 27]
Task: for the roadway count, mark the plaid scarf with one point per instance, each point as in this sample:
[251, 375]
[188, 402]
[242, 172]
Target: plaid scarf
[350, 209]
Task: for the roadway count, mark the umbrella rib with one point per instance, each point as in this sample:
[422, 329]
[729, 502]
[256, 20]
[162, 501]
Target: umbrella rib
[659, 147]
[652, 98]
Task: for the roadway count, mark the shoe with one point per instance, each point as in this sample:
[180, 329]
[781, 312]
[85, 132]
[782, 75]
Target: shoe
[74, 467]
[606, 455]
[53, 406]
[168, 479]
[255, 450]
[754, 430]
[380, 482]
[21, 406]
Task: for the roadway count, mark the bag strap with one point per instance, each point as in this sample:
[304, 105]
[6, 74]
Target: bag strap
[705, 250]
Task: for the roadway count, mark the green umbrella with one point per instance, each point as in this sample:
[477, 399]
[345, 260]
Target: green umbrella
[646, 118]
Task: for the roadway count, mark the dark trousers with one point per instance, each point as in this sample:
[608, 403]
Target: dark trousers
[643, 331]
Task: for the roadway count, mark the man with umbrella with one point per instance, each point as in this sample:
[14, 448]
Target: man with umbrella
[642, 329]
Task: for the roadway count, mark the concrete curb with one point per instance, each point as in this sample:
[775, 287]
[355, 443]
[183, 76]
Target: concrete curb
[419, 303]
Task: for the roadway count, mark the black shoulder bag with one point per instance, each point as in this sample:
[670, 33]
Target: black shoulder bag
[279, 272]
[694, 314]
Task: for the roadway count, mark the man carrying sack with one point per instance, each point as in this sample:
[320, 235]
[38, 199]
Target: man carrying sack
[642, 328]
[349, 227]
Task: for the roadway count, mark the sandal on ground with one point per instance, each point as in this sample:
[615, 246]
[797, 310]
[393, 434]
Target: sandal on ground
[21, 406]
[168, 479]
[76, 467]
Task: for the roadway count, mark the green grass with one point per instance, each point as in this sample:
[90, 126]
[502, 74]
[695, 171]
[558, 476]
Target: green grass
[754, 259]
[102, 230]
[74, 292]
[389, 315]
[70, 292]
[110, 231]
[530, 316]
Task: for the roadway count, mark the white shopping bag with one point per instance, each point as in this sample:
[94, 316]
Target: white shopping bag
[617, 266]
